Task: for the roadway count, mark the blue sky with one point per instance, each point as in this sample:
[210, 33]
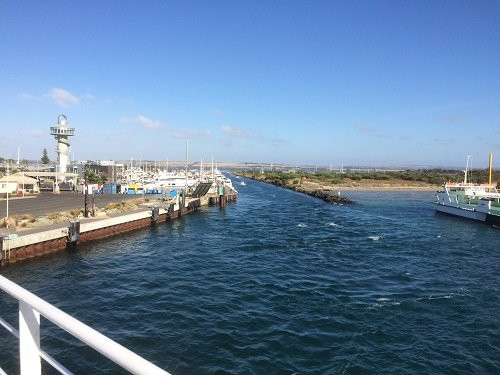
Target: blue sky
[317, 82]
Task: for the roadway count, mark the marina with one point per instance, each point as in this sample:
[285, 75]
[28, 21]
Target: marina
[174, 193]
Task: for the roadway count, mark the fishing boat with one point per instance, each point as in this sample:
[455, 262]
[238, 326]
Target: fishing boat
[479, 202]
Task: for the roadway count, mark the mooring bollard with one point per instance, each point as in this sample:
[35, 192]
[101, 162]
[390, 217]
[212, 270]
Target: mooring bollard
[155, 214]
[182, 209]
[73, 232]
[222, 202]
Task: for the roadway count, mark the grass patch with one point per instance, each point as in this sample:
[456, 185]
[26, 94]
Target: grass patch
[75, 213]
[27, 217]
[123, 206]
[53, 215]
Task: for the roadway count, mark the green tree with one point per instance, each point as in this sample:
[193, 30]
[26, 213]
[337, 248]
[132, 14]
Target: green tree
[45, 157]
[103, 177]
[92, 177]
[95, 178]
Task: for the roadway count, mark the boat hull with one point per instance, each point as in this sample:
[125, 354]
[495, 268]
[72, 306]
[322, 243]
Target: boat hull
[493, 220]
[462, 212]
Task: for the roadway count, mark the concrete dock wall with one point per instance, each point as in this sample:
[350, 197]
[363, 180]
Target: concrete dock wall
[45, 242]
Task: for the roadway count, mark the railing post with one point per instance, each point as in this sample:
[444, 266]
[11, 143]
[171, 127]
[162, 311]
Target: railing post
[29, 340]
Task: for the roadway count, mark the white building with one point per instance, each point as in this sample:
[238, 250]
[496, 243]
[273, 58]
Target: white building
[16, 183]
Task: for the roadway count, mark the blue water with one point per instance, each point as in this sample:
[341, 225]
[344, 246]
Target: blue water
[282, 283]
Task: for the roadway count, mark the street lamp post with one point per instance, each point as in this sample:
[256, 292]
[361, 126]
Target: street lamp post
[7, 200]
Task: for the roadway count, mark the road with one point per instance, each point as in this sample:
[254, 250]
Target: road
[44, 203]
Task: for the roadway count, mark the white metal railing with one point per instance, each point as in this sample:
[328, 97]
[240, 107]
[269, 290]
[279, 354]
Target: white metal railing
[30, 309]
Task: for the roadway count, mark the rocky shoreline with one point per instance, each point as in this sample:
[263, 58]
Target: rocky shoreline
[329, 196]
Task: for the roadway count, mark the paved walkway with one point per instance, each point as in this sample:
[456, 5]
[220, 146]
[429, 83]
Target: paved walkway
[44, 203]
[24, 231]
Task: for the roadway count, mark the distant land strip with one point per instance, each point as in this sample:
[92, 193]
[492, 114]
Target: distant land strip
[327, 195]
[334, 182]
[389, 180]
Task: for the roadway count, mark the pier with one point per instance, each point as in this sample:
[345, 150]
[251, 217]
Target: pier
[41, 241]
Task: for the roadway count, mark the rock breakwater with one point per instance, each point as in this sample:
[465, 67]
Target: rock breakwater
[329, 196]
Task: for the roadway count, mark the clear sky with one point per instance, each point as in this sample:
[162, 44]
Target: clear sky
[317, 82]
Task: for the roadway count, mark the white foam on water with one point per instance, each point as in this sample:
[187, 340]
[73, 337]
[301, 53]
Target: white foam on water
[447, 296]
[374, 238]
[302, 225]
[332, 224]
[438, 236]
[461, 293]
[383, 303]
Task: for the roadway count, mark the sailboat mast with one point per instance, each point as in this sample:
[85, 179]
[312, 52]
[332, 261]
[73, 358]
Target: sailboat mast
[466, 169]
[490, 169]
[187, 145]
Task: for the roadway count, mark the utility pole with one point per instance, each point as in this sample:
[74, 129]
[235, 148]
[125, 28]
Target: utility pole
[86, 210]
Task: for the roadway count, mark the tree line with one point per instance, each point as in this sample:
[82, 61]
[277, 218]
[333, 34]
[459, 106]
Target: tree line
[431, 176]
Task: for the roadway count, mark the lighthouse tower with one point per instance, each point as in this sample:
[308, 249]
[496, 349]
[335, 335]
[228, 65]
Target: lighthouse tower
[61, 132]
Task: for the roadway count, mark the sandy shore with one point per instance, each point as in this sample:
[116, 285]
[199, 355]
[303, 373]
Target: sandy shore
[382, 188]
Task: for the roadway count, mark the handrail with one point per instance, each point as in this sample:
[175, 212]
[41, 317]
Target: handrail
[109, 348]
[46, 356]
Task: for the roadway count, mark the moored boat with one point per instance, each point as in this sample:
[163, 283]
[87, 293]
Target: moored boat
[479, 202]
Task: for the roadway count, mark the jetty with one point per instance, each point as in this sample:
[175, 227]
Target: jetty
[16, 247]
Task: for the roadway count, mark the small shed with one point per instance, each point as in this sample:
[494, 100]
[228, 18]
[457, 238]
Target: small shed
[18, 182]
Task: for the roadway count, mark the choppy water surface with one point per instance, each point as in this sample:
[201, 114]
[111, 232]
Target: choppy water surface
[281, 283]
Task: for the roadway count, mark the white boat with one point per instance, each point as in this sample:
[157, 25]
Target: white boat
[472, 201]
[174, 180]
[242, 183]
